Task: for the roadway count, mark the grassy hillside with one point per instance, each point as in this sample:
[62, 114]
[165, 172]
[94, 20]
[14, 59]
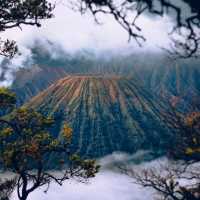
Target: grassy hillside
[107, 113]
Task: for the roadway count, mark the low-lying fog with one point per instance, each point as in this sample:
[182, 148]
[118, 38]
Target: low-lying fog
[109, 183]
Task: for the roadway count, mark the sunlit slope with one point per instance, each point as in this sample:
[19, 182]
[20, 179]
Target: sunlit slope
[106, 113]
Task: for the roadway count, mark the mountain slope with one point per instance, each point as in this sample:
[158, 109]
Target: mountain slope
[177, 81]
[29, 82]
[106, 113]
[180, 84]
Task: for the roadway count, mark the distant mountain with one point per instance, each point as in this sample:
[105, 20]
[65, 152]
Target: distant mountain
[49, 62]
[178, 82]
[29, 82]
[107, 113]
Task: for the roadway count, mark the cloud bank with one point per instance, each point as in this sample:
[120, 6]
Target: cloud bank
[74, 32]
[109, 184]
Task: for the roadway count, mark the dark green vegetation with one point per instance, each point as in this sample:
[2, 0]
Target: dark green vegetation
[180, 178]
[27, 146]
[15, 13]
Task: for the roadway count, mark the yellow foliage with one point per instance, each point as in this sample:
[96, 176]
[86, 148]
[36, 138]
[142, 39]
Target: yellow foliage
[6, 97]
[190, 119]
[32, 149]
[7, 132]
[194, 140]
[190, 151]
[54, 143]
[67, 132]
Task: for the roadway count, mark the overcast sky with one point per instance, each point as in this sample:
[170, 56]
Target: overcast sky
[74, 31]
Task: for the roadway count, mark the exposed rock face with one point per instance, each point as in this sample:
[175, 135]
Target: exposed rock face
[106, 113]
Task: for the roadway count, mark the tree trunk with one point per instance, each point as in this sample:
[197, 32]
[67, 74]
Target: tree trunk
[24, 196]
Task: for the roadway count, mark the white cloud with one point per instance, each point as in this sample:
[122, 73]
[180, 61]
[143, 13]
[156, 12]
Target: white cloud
[8, 69]
[109, 183]
[107, 186]
[75, 31]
